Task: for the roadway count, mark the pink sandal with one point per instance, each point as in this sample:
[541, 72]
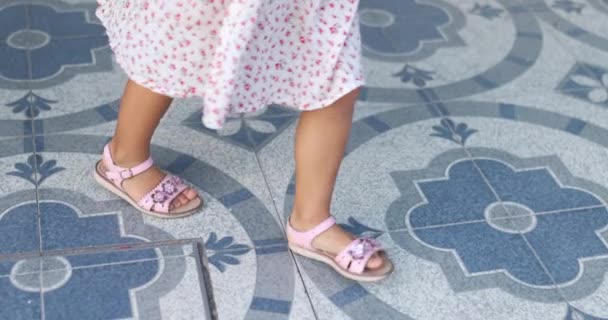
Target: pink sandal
[351, 262]
[156, 202]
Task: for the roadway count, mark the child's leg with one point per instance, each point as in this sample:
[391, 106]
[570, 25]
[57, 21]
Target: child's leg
[139, 115]
[321, 139]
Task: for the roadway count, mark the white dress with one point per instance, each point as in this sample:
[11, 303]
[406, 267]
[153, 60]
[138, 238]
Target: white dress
[238, 55]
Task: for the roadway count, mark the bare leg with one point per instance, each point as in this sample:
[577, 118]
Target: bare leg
[139, 115]
[321, 139]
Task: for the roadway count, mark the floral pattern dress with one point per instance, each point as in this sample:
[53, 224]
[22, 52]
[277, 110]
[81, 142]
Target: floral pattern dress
[238, 55]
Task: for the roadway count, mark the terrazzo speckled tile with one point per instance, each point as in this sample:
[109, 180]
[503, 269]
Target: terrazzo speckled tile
[423, 287]
[548, 84]
[263, 285]
[559, 192]
[477, 157]
[15, 303]
[577, 266]
[146, 282]
[439, 58]
[18, 212]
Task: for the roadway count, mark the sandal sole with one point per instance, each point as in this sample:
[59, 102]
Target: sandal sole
[106, 184]
[388, 269]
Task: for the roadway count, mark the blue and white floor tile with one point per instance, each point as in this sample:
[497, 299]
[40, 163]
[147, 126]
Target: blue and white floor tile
[477, 156]
[127, 283]
[19, 304]
[264, 285]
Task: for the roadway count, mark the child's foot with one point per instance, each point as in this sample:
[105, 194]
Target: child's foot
[138, 186]
[146, 187]
[330, 240]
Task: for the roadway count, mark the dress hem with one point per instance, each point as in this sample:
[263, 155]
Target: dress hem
[323, 103]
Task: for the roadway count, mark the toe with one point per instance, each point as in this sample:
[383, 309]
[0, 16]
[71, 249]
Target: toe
[182, 199]
[375, 262]
[190, 194]
[177, 202]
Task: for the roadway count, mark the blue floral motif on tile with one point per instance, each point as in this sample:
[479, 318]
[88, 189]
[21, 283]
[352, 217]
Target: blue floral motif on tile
[448, 129]
[36, 170]
[53, 39]
[31, 104]
[250, 131]
[224, 251]
[96, 285]
[569, 6]
[586, 82]
[486, 10]
[461, 208]
[405, 27]
[419, 77]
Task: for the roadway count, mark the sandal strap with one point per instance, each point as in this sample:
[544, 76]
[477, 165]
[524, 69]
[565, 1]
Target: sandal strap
[305, 239]
[159, 199]
[356, 255]
[118, 174]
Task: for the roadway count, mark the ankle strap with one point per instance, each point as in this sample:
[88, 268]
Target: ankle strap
[118, 174]
[305, 238]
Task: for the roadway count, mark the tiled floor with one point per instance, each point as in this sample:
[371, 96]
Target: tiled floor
[479, 156]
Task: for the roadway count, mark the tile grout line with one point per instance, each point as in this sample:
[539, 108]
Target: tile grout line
[123, 248]
[498, 219]
[33, 129]
[28, 16]
[542, 264]
[92, 266]
[41, 284]
[109, 250]
[205, 281]
[293, 258]
[99, 249]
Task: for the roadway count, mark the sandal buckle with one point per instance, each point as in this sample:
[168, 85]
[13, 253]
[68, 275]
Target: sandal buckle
[128, 171]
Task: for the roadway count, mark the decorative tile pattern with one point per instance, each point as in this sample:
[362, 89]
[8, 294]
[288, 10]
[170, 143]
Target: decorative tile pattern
[418, 77]
[48, 40]
[31, 104]
[487, 11]
[587, 82]
[463, 58]
[250, 131]
[19, 304]
[224, 252]
[489, 220]
[112, 284]
[576, 19]
[408, 28]
[477, 158]
[514, 202]
[15, 66]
